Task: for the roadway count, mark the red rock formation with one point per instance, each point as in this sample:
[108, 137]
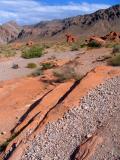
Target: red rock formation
[96, 39]
[29, 101]
[70, 38]
[29, 43]
[112, 36]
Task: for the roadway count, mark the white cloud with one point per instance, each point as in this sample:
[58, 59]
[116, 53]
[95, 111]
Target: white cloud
[31, 11]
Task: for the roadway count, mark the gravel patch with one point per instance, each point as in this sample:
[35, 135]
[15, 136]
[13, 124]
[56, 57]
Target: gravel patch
[59, 139]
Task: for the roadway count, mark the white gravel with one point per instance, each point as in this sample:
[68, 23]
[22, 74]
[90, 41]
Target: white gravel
[59, 139]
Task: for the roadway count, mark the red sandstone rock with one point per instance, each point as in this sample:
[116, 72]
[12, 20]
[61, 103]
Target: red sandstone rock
[70, 38]
[87, 149]
[30, 43]
[96, 39]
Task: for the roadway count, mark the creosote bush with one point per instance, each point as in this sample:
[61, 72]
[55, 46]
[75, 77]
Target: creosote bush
[94, 44]
[66, 73]
[31, 65]
[75, 47]
[33, 52]
[116, 49]
[115, 60]
[47, 65]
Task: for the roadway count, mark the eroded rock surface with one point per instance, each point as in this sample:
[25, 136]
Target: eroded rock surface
[59, 139]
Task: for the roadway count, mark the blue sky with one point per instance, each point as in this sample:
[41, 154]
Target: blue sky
[33, 11]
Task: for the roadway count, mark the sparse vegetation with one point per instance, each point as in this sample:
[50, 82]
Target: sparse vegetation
[66, 73]
[31, 65]
[116, 49]
[59, 48]
[83, 45]
[94, 44]
[109, 44]
[75, 47]
[37, 72]
[115, 60]
[7, 51]
[33, 52]
[47, 65]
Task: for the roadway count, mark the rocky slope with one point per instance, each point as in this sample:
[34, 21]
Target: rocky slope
[9, 31]
[63, 116]
[108, 20]
[60, 139]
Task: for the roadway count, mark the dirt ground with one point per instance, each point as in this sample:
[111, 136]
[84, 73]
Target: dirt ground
[86, 60]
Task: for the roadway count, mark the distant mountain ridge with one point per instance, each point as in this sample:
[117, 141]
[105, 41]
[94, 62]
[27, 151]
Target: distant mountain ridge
[101, 22]
[9, 31]
[98, 23]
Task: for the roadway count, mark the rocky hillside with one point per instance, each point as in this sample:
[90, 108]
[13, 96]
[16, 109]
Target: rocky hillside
[9, 31]
[106, 19]
[82, 26]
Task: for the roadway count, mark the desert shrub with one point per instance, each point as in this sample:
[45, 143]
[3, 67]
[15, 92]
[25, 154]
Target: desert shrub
[66, 73]
[31, 65]
[115, 60]
[94, 44]
[47, 65]
[33, 52]
[116, 49]
[109, 44]
[37, 72]
[75, 47]
[7, 51]
[83, 45]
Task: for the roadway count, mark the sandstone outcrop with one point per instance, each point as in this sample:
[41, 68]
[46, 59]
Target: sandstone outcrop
[112, 36]
[49, 107]
[97, 40]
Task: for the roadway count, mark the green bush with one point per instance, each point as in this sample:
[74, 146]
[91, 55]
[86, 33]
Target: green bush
[31, 65]
[82, 45]
[47, 66]
[115, 60]
[33, 52]
[94, 44]
[116, 49]
[74, 47]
